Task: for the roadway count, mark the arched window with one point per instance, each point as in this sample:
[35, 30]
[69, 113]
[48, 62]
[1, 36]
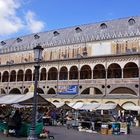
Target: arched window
[28, 75]
[56, 33]
[78, 29]
[19, 39]
[5, 76]
[131, 21]
[73, 72]
[15, 91]
[20, 75]
[26, 90]
[114, 71]
[3, 91]
[131, 70]
[103, 26]
[40, 91]
[3, 43]
[123, 91]
[51, 91]
[99, 72]
[63, 73]
[52, 74]
[13, 76]
[43, 74]
[36, 36]
[85, 72]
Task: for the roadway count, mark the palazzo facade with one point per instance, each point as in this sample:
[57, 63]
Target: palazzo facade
[97, 62]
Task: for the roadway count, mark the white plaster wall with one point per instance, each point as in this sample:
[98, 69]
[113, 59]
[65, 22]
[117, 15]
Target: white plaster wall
[101, 48]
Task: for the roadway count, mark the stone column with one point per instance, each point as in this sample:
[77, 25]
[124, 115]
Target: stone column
[16, 77]
[122, 73]
[68, 76]
[91, 74]
[106, 82]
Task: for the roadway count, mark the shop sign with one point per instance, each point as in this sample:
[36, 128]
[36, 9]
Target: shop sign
[67, 89]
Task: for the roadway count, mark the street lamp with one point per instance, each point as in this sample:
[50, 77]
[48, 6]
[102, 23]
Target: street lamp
[37, 58]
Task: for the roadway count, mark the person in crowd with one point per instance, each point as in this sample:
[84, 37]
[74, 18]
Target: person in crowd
[129, 123]
[62, 116]
[53, 117]
[68, 121]
[39, 116]
[18, 122]
[10, 121]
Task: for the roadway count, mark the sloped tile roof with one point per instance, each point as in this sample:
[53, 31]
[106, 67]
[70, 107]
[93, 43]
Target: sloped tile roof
[119, 28]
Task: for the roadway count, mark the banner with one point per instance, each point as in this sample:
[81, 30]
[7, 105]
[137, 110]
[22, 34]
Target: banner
[69, 89]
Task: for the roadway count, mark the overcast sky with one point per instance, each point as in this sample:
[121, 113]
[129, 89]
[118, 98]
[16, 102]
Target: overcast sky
[21, 17]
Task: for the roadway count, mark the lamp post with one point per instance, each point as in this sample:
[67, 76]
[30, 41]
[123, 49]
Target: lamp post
[37, 58]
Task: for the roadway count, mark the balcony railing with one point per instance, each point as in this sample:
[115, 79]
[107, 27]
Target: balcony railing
[76, 81]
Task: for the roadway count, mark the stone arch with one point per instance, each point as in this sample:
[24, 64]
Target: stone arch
[5, 76]
[28, 75]
[51, 91]
[99, 72]
[43, 74]
[13, 76]
[56, 101]
[110, 102]
[40, 91]
[94, 102]
[79, 101]
[85, 72]
[67, 102]
[3, 91]
[20, 75]
[73, 72]
[92, 91]
[123, 91]
[15, 91]
[114, 71]
[130, 70]
[26, 90]
[52, 74]
[63, 74]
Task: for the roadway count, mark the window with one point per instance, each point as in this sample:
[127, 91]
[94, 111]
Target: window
[19, 40]
[56, 33]
[36, 36]
[131, 21]
[78, 29]
[103, 26]
[3, 43]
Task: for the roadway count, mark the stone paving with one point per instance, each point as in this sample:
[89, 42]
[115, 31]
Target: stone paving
[61, 133]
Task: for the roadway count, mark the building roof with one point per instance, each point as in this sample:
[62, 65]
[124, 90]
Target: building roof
[118, 28]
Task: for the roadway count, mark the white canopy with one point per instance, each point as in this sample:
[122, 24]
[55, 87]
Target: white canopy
[71, 104]
[109, 106]
[10, 99]
[58, 104]
[25, 99]
[77, 105]
[62, 106]
[90, 106]
[132, 108]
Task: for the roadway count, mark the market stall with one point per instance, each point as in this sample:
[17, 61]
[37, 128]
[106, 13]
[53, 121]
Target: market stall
[112, 109]
[9, 103]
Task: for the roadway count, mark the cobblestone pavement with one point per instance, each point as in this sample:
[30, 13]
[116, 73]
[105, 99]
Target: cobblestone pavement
[61, 133]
